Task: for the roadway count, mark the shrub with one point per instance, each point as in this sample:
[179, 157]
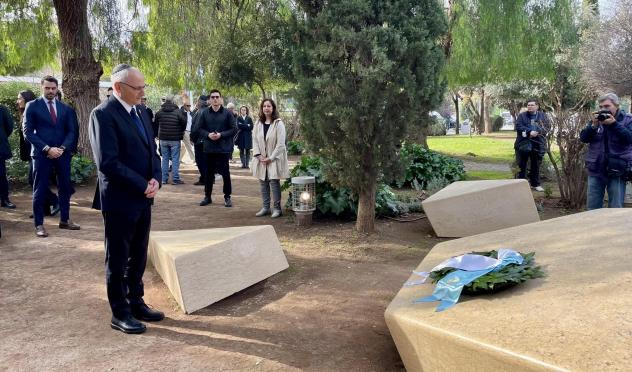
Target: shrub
[340, 202]
[425, 167]
[295, 147]
[497, 124]
[17, 170]
[81, 169]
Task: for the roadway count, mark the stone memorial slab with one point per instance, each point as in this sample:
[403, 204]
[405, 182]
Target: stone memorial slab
[467, 208]
[576, 318]
[201, 267]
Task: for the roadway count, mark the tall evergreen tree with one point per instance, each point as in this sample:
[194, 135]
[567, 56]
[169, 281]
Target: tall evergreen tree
[366, 69]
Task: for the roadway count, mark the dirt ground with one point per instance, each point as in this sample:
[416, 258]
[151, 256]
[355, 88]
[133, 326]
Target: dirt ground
[325, 313]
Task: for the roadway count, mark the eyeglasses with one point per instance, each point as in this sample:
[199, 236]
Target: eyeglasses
[605, 106]
[215, 97]
[187, 105]
[138, 89]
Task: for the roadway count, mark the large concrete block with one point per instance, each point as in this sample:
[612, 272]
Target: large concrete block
[467, 208]
[201, 267]
[577, 318]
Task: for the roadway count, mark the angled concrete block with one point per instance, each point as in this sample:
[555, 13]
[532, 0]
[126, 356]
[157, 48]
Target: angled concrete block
[467, 208]
[577, 318]
[201, 267]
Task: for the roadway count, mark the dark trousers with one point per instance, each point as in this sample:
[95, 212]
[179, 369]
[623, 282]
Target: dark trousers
[244, 155]
[51, 198]
[200, 160]
[126, 239]
[217, 163]
[42, 167]
[534, 173]
[4, 182]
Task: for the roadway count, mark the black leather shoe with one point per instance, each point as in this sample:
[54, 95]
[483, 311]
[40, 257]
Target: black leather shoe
[127, 325]
[143, 312]
[54, 209]
[69, 225]
[206, 201]
[199, 183]
[7, 204]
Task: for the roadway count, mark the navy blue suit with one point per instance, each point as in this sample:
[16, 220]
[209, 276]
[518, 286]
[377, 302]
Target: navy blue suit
[126, 161]
[40, 131]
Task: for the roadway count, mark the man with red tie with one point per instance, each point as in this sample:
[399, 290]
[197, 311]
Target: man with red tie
[51, 128]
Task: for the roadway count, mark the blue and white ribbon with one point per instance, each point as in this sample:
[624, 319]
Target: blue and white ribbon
[469, 267]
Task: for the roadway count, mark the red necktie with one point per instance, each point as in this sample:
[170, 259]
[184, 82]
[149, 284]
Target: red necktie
[53, 116]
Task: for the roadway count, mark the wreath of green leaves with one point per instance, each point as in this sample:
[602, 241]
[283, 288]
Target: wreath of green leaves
[508, 276]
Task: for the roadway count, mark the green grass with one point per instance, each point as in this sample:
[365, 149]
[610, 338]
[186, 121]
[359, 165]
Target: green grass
[475, 148]
[488, 175]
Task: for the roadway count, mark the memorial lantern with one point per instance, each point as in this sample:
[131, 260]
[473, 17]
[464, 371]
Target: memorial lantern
[304, 199]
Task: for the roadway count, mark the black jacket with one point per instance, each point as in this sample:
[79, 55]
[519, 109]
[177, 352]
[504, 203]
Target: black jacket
[208, 121]
[170, 122]
[244, 137]
[125, 160]
[6, 127]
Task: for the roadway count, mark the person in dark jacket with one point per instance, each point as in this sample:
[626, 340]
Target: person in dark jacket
[244, 137]
[531, 127]
[6, 127]
[215, 126]
[198, 146]
[171, 124]
[609, 155]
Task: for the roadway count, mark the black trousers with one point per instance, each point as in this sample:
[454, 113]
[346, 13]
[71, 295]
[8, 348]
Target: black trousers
[126, 239]
[217, 163]
[4, 182]
[534, 173]
[200, 160]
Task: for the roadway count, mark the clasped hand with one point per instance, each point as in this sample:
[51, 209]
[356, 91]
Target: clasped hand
[214, 136]
[54, 152]
[152, 188]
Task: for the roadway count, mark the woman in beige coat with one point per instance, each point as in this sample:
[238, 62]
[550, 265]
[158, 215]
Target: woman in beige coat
[269, 163]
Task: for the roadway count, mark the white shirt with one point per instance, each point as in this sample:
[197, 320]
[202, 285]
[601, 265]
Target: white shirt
[126, 105]
[189, 121]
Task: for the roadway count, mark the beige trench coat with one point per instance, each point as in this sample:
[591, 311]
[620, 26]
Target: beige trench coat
[273, 147]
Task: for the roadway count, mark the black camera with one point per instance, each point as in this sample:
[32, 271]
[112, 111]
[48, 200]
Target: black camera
[603, 115]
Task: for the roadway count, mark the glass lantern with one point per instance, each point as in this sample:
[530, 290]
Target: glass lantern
[304, 199]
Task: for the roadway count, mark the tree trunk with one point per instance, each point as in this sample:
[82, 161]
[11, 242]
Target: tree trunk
[366, 208]
[488, 120]
[485, 120]
[81, 72]
[455, 99]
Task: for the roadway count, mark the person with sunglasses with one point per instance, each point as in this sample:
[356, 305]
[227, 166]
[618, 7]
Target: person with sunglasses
[215, 126]
[609, 155]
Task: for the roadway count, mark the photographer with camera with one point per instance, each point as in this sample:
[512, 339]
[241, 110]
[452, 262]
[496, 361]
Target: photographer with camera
[531, 127]
[609, 155]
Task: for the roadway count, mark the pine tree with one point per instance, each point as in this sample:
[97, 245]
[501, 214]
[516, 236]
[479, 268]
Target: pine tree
[366, 69]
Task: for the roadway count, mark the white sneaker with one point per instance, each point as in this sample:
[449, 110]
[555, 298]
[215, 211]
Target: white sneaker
[539, 188]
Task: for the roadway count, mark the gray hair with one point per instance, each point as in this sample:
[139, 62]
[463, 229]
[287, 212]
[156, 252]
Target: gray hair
[121, 72]
[610, 96]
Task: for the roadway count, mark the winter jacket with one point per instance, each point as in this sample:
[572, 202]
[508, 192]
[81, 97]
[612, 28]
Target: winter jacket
[528, 122]
[207, 121]
[272, 147]
[244, 137]
[619, 136]
[6, 127]
[171, 122]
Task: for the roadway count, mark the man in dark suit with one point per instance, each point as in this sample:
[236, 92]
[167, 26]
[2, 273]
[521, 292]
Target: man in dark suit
[6, 127]
[128, 170]
[51, 127]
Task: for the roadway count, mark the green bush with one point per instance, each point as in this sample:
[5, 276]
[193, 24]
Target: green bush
[17, 170]
[425, 167]
[295, 147]
[497, 123]
[81, 169]
[340, 202]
